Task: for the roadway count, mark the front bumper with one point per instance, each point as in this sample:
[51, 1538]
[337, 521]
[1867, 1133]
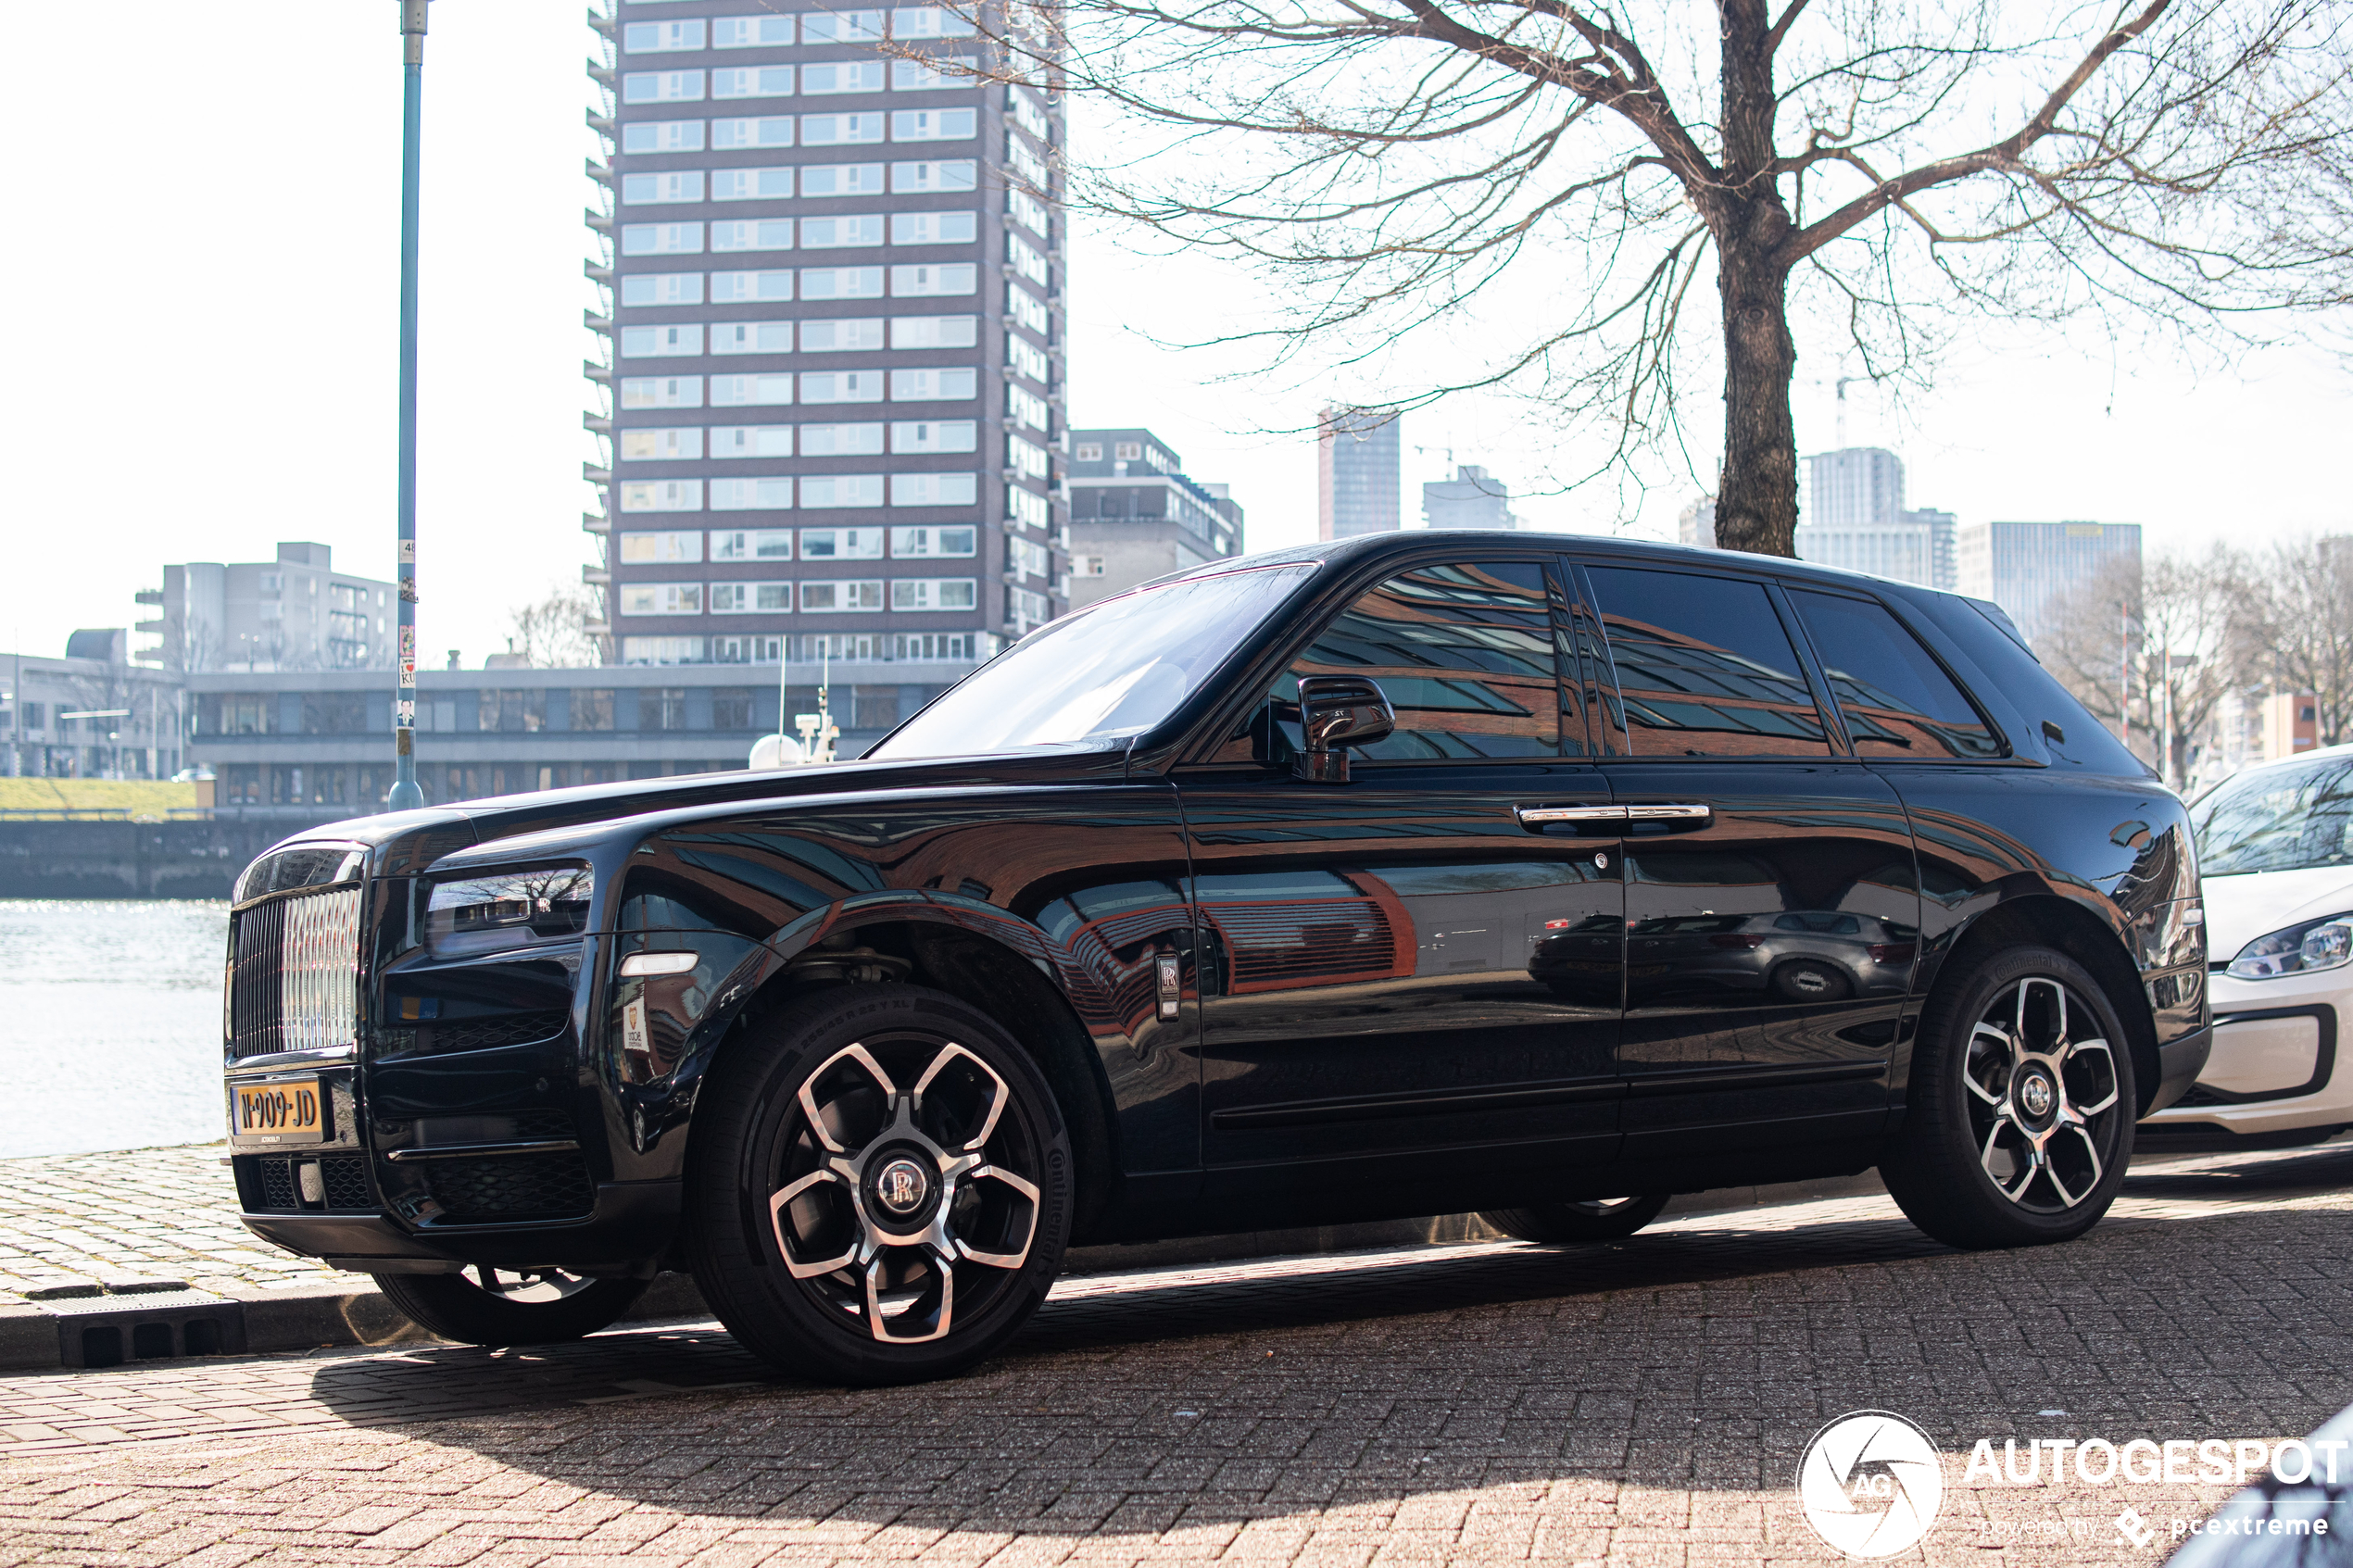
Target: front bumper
[632, 1222]
[2273, 1068]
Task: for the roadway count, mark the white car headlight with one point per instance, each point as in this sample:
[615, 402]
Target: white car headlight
[2327, 943]
[508, 908]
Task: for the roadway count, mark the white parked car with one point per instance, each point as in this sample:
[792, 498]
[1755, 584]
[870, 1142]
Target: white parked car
[2275, 848]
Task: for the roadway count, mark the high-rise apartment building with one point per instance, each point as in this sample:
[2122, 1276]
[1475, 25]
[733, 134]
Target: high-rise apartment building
[1356, 472]
[297, 612]
[1134, 515]
[2031, 569]
[1473, 498]
[1854, 515]
[833, 407]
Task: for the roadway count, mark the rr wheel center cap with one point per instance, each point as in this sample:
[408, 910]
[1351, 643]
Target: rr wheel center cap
[2035, 1095]
[901, 1187]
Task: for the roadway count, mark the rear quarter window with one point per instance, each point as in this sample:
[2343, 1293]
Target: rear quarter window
[1897, 699]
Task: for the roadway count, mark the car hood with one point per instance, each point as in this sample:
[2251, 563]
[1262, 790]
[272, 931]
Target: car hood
[2239, 909]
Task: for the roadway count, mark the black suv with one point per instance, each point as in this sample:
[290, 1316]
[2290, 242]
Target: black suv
[1433, 872]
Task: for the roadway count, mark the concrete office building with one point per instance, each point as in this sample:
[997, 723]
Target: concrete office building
[1853, 515]
[93, 714]
[297, 612]
[1356, 472]
[2030, 569]
[834, 274]
[1473, 498]
[1134, 515]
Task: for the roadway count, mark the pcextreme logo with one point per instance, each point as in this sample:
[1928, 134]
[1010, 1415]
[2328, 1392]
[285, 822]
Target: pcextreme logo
[1870, 1483]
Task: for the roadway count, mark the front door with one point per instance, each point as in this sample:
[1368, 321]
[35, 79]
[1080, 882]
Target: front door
[1425, 961]
[1771, 903]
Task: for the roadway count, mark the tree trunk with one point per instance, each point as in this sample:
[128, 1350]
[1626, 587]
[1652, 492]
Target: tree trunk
[1756, 495]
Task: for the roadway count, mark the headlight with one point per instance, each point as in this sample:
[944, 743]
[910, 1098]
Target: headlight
[2327, 943]
[509, 908]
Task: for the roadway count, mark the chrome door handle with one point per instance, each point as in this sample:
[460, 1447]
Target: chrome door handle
[1677, 816]
[1533, 817]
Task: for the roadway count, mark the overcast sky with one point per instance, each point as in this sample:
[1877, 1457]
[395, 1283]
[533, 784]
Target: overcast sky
[206, 358]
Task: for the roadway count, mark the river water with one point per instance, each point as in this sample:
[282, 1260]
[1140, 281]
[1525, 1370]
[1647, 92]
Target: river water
[109, 1023]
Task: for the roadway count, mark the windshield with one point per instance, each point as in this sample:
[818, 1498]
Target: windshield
[1111, 670]
[2283, 819]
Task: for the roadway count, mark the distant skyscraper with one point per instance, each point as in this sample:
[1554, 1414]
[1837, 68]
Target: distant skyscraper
[1473, 498]
[2029, 568]
[1357, 473]
[1696, 524]
[1854, 515]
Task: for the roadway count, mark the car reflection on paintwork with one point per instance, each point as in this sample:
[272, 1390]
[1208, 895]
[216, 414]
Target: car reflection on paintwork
[1800, 956]
[1578, 959]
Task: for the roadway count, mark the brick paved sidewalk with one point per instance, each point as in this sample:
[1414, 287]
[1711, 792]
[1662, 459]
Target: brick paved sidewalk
[1643, 1402]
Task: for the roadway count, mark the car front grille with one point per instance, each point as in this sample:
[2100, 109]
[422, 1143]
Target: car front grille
[514, 1187]
[293, 978]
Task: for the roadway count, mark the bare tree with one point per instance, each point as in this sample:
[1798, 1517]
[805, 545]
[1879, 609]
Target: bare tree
[2160, 644]
[2295, 610]
[1575, 170]
[552, 631]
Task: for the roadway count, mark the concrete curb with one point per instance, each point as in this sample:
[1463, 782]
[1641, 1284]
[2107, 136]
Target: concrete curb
[316, 1319]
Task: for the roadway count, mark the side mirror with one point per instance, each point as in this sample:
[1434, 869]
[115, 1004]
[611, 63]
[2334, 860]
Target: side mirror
[1337, 711]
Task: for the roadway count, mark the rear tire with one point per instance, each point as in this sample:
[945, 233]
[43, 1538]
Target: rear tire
[879, 1187]
[1568, 1224]
[524, 1309]
[2020, 1125]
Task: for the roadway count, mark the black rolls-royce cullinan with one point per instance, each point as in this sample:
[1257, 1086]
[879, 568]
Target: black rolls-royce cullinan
[1539, 876]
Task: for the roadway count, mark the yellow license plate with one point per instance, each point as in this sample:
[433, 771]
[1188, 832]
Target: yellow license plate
[280, 1110]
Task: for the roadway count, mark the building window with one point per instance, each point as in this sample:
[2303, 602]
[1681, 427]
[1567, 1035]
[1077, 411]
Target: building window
[659, 650]
[1025, 309]
[769, 493]
[929, 21]
[1026, 507]
[1086, 566]
[933, 176]
[935, 593]
[662, 708]
[935, 435]
[844, 283]
[750, 185]
[333, 713]
[751, 544]
[1029, 557]
[751, 598]
[738, 288]
[923, 76]
[841, 544]
[655, 343]
[917, 282]
[662, 598]
[513, 711]
[1026, 259]
[752, 233]
[835, 234]
[935, 489]
[681, 185]
[1128, 451]
[841, 27]
[848, 76]
[661, 392]
[734, 392]
[753, 649]
[752, 441]
[933, 645]
[661, 136]
[661, 288]
[656, 38]
[662, 239]
[663, 495]
[1026, 407]
[841, 490]
[752, 82]
[841, 130]
[760, 131]
[934, 228]
[1027, 457]
[933, 125]
[1028, 211]
[848, 334]
[750, 33]
[731, 708]
[662, 87]
[663, 548]
[840, 597]
[592, 708]
[841, 180]
[841, 441]
[946, 384]
[841, 386]
[911, 542]
[935, 331]
[752, 337]
[1025, 357]
[660, 446]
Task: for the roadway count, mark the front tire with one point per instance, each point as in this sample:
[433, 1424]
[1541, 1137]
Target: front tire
[879, 1190]
[2019, 1126]
[496, 1306]
[1568, 1224]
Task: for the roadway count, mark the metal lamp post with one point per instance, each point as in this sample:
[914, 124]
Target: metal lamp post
[405, 793]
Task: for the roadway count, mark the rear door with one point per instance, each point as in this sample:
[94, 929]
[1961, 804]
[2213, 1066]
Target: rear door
[1771, 902]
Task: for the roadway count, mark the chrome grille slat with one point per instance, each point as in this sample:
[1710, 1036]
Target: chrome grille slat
[293, 983]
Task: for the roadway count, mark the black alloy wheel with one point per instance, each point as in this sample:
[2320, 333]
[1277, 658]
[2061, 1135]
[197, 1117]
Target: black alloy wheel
[1584, 1220]
[487, 1305]
[880, 1187]
[2021, 1123]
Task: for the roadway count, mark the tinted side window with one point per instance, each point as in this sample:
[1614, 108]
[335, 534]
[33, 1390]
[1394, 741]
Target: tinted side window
[1898, 700]
[1464, 653]
[1704, 667]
